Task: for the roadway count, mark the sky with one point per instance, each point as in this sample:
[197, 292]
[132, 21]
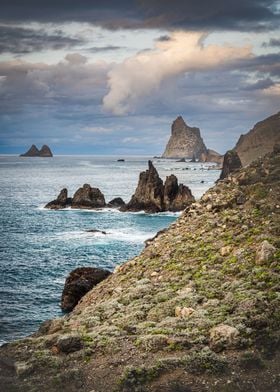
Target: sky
[110, 77]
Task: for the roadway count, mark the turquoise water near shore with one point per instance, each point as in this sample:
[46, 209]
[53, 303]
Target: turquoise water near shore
[38, 247]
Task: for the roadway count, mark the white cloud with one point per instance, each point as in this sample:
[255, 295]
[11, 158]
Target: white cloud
[141, 74]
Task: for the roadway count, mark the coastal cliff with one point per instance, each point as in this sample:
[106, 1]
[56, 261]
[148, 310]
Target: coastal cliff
[197, 310]
[259, 140]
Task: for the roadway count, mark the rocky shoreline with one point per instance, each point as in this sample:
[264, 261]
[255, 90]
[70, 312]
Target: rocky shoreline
[197, 310]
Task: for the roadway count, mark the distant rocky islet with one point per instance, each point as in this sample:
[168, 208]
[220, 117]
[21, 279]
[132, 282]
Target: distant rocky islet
[44, 152]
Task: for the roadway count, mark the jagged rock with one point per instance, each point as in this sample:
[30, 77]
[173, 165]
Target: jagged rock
[45, 151]
[88, 197]
[185, 141]
[62, 201]
[264, 252]
[176, 197]
[211, 156]
[231, 163]
[33, 151]
[78, 283]
[259, 140]
[152, 195]
[117, 202]
[149, 192]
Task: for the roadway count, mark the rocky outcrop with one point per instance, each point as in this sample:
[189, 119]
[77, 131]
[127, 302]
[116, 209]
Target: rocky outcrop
[259, 140]
[211, 156]
[196, 310]
[88, 197]
[33, 151]
[62, 201]
[230, 164]
[78, 283]
[152, 195]
[117, 202]
[185, 141]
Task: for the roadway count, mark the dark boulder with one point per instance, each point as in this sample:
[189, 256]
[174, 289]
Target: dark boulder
[69, 344]
[176, 197]
[62, 201]
[88, 197]
[231, 163]
[117, 202]
[78, 283]
[152, 195]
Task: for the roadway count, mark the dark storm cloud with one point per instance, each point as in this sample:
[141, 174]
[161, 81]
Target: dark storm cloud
[189, 14]
[19, 40]
[273, 42]
[109, 48]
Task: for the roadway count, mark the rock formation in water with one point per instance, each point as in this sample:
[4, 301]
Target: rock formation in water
[33, 151]
[117, 202]
[152, 195]
[88, 197]
[211, 156]
[231, 163]
[185, 141]
[196, 310]
[259, 140]
[78, 283]
[62, 201]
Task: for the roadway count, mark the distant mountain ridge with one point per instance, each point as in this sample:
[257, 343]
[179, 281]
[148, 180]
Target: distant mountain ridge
[33, 151]
[260, 140]
[186, 142]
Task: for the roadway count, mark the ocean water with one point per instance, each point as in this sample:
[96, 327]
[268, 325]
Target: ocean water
[39, 247]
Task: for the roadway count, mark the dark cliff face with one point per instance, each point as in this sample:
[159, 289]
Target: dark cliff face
[231, 163]
[260, 140]
[45, 152]
[152, 195]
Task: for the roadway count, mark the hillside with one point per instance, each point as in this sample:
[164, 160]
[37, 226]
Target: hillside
[260, 140]
[197, 310]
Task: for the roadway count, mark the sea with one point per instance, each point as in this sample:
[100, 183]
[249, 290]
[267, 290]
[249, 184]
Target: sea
[40, 247]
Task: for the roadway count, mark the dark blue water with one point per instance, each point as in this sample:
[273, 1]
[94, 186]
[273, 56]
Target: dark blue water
[38, 247]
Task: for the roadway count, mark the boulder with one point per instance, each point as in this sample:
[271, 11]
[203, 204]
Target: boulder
[62, 201]
[88, 197]
[117, 202]
[69, 344]
[78, 283]
[265, 252]
[230, 164]
[223, 336]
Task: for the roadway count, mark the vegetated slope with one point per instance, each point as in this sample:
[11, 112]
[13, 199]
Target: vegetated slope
[197, 310]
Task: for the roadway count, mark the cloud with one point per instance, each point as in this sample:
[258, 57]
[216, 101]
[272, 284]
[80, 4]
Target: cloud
[143, 73]
[109, 48]
[273, 42]
[19, 40]
[189, 14]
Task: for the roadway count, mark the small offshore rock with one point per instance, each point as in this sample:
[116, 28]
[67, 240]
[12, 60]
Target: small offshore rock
[96, 231]
[88, 197]
[117, 202]
[62, 201]
[265, 252]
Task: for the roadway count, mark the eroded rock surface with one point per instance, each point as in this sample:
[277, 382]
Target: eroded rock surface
[62, 201]
[231, 163]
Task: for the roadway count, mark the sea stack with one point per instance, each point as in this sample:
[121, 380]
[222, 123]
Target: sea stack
[152, 195]
[260, 140]
[231, 163]
[33, 151]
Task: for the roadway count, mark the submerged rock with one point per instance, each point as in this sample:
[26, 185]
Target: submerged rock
[152, 195]
[62, 201]
[117, 202]
[96, 231]
[88, 197]
[230, 164]
[78, 283]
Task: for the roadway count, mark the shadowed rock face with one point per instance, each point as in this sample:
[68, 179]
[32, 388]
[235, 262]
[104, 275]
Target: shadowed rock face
[259, 140]
[185, 141]
[78, 283]
[152, 195]
[88, 197]
[61, 201]
[231, 163]
[116, 203]
[45, 152]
